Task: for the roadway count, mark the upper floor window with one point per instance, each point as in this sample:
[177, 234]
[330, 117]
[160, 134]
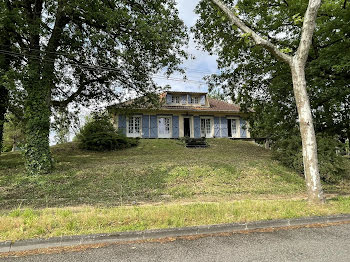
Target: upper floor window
[194, 100]
[175, 99]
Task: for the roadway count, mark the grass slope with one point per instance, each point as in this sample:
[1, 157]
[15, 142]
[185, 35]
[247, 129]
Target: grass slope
[156, 170]
[158, 184]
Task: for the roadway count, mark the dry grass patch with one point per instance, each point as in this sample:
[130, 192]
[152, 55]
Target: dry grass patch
[49, 222]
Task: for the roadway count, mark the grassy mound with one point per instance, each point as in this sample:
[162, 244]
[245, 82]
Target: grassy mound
[154, 171]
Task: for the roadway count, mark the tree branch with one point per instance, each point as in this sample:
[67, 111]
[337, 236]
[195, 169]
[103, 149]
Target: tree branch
[307, 30]
[257, 39]
[83, 84]
[61, 21]
[286, 3]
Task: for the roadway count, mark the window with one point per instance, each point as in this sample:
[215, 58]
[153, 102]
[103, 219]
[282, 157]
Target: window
[206, 127]
[194, 100]
[175, 100]
[134, 126]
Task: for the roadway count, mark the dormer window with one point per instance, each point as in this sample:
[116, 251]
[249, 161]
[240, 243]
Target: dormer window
[175, 100]
[194, 100]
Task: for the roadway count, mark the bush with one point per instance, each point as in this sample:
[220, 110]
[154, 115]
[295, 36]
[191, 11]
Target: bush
[100, 135]
[289, 152]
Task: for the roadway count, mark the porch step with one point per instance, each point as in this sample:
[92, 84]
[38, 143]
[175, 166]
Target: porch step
[196, 143]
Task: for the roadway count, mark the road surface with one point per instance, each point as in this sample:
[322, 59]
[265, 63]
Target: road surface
[305, 244]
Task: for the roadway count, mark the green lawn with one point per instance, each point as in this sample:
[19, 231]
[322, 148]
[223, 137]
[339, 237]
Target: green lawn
[50, 222]
[158, 184]
[155, 171]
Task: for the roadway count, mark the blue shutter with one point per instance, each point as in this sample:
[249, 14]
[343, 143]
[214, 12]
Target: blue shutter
[243, 128]
[145, 126]
[216, 126]
[168, 98]
[122, 124]
[202, 100]
[224, 130]
[175, 127]
[197, 127]
[184, 99]
[154, 129]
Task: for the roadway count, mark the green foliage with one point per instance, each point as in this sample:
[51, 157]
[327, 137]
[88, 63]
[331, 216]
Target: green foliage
[286, 50]
[297, 19]
[288, 151]
[218, 94]
[37, 121]
[13, 133]
[257, 80]
[246, 37]
[100, 135]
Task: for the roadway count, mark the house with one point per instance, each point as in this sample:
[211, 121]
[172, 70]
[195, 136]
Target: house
[184, 114]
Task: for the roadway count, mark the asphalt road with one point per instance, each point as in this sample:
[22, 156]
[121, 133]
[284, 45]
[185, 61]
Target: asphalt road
[306, 244]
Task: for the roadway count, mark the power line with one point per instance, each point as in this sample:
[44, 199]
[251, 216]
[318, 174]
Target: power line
[88, 67]
[66, 55]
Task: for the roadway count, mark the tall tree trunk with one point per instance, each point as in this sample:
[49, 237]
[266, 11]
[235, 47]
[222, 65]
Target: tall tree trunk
[37, 109]
[308, 138]
[37, 127]
[3, 109]
[4, 67]
[37, 117]
[37, 106]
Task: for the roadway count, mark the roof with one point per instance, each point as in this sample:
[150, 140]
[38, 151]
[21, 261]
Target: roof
[215, 105]
[184, 92]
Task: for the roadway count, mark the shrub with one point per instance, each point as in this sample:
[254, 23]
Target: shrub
[100, 135]
[289, 152]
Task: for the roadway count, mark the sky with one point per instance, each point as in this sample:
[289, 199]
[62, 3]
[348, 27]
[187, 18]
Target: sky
[203, 63]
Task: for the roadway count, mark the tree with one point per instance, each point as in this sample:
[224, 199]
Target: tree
[218, 94]
[266, 85]
[4, 68]
[261, 82]
[91, 50]
[216, 12]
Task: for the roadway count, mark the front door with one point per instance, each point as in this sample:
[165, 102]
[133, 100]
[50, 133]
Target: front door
[164, 127]
[187, 130]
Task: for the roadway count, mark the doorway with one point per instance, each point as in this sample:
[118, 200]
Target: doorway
[187, 129]
[164, 127]
[233, 128]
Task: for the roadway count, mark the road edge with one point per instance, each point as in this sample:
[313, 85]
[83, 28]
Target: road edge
[93, 239]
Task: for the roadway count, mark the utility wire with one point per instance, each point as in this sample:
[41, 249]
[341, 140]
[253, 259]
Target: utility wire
[67, 55]
[88, 67]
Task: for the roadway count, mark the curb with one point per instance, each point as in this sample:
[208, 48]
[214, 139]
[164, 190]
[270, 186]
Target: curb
[66, 241]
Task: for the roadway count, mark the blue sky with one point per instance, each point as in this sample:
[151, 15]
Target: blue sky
[203, 64]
